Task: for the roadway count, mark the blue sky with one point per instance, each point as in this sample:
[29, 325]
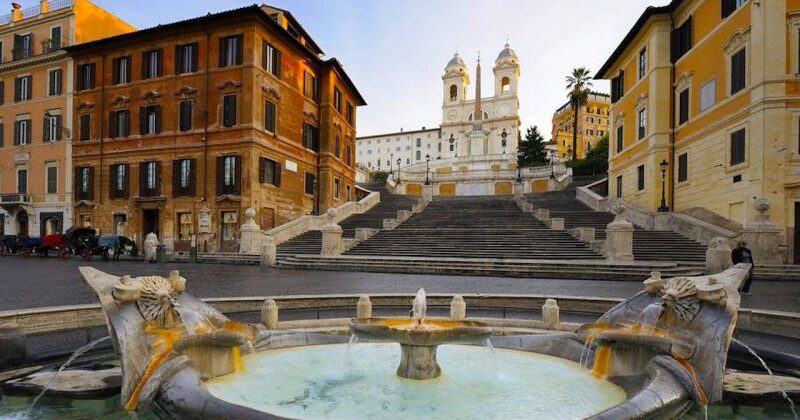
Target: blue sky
[395, 51]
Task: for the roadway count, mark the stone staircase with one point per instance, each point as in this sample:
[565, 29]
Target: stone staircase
[474, 227]
[311, 241]
[648, 245]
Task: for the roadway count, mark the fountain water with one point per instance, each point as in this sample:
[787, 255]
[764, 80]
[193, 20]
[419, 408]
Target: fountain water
[66, 364]
[772, 375]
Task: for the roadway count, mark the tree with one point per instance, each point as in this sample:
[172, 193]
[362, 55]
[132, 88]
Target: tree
[532, 148]
[598, 157]
[578, 86]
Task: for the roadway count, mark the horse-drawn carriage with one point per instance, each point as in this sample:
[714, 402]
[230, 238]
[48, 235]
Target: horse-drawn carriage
[27, 246]
[86, 243]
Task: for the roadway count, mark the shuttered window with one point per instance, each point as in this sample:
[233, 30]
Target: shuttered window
[55, 82]
[683, 167]
[52, 180]
[51, 128]
[122, 70]
[618, 87]
[2, 134]
[229, 110]
[185, 115]
[311, 137]
[640, 177]
[348, 155]
[150, 119]
[23, 88]
[119, 123]
[310, 86]
[619, 186]
[738, 71]
[350, 113]
[119, 180]
[84, 183]
[270, 116]
[186, 58]
[85, 128]
[682, 39]
[271, 59]
[310, 183]
[2, 86]
[337, 100]
[730, 6]
[269, 172]
[231, 50]
[22, 132]
[86, 76]
[738, 147]
[683, 106]
[152, 64]
[642, 128]
[229, 175]
[183, 177]
[150, 179]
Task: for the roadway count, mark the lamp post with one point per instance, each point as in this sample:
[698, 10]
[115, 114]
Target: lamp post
[552, 169]
[519, 165]
[391, 158]
[663, 207]
[398, 169]
[503, 135]
[427, 168]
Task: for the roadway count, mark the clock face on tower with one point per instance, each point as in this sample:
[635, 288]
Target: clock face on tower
[452, 115]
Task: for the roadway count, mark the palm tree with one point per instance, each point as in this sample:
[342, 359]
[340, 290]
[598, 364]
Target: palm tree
[578, 86]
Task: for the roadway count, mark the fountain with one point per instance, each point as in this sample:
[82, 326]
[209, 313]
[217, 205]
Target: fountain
[419, 338]
[654, 355]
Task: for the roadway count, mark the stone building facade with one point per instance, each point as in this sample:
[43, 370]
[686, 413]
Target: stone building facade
[385, 152]
[36, 111]
[592, 125]
[709, 87]
[182, 127]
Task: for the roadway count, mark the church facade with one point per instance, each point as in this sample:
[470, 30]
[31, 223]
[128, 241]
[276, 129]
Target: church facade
[482, 126]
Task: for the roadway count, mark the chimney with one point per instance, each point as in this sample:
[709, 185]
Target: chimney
[16, 12]
[44, 6]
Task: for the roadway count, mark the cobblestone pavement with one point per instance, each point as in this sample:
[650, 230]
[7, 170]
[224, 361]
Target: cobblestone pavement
[36, 282]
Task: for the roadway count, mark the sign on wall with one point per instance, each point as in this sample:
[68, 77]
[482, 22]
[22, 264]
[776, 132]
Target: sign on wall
[204, 220]
[291, 166]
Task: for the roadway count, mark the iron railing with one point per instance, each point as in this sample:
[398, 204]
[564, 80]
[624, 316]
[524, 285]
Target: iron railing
[15, 198]
[35, 10]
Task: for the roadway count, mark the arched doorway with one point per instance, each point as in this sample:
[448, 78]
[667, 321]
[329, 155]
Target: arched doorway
[22, 223]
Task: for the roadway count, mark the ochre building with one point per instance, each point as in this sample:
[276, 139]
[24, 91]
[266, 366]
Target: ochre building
[36, 110]
[710, 88]
[592, 125]
[182, 127]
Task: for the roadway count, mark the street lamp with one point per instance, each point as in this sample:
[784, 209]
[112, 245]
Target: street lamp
[427, 168]
[519, 165]
[552, 169]
[391, 158]
[663, 207]
[398, 169]
[503, 136]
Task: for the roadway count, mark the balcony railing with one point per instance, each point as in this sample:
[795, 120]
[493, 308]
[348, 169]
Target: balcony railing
[47, 47]
[16, 199]
[35, 10]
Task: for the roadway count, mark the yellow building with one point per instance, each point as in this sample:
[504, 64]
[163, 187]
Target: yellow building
[711, 88]
[592, 125]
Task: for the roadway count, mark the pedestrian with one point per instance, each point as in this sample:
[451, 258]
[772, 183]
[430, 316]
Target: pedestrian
[741, 254]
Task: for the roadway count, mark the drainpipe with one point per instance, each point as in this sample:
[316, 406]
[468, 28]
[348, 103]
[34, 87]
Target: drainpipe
[671, 204]
[205, 117]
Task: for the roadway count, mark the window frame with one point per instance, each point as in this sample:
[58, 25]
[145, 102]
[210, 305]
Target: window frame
[683, 167]
[229, 110]
[640, 178]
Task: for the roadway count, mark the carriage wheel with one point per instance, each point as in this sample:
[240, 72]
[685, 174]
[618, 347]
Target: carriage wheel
[63, 252]
[25, 252]
[86, 254]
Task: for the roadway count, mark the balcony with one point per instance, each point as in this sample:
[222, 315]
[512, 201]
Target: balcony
[12, 201]
[47, 46]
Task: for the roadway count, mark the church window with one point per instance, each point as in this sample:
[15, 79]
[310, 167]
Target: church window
[453, 93]
[505, 85]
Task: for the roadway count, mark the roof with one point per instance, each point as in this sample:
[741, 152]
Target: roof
[254, 10]
[298, 25]
[648, 13]
[397, 133]
[455, 61]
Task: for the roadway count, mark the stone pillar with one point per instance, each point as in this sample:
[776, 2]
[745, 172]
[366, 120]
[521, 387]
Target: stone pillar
[458, 308]
[362, 234]
[269, 251]
[542, 214]
[519, 190]
[718, 256]
[550, 314]
[403, 215]
[364, 307]
[619, 237]
[331, 239]
[269, 314]
[763, 237]
[552, 184]
[427, 192]
[557, 223]
[250, 240]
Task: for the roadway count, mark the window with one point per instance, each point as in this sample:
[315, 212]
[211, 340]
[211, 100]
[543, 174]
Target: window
[271, 59]
[337, 99]
[505, 85]
[349, 114]
[310, 86]
[228, 225]
[418, 155]
[22, 181]
[231, 51]
[84, 182]
[642, 62]
[618, 86]
[55, 38]
[419, 142]
[269, 172]
[337, 184]
[348, 155]
[2, 89]
[84, 130]
[642, 123]
[229, 110]
[86, 76]
[55, 81]
[730, 6]
[738, 147]
[640, 177]
[149, 179]
[270, 116]
[150, 119]
[152, 64]
[708, 95]
[683, 167]
[311, 137]
[738, 71]
[229, 175]
[682, 39]
[122, 70]
[52, 128]
[22, 132]
[453, 93]
[23, 46]
[619, 186]
[683, 106]
[337, 147]
[186, 58]
[120, 222]
[2, 133]
[185, 115]
[119, 123]
[23, 89]
[119, 181]
[620, 144]
[183, 177]
[52, 180]
[310, 185]
[184, 226]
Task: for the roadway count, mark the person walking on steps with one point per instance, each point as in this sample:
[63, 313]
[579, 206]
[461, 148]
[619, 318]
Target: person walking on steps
[741, 254]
